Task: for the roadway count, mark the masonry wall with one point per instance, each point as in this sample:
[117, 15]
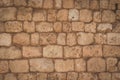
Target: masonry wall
[59, 39]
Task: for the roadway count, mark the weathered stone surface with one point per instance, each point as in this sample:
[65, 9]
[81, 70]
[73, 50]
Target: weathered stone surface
[52, 15]
[97, 16]
[62, 15]
[71, 39]
[4, 67]
[7, 13]
[32, 52]
[68, 3]
[1, 77]
[64, 65]
[91, 27]
[100, 38]
[24, 13]
[85, 38]
[48, 4]
[48, 38]
[21, 39]
[78, 4]
[10, 76]
[96, 65]
[53, 51]
[111, 64]
[72, 76]
[92, 51]
[39, 15]
[20, 2]
[18, 66]
[29, 26]
[58, 4]
[5, 39]
[78, 26]
[41, 65]
[42, 76]
[55, 76]
[108, 16]
[85, 3]
[72, 52]
[44, 27]
[115, 76]
[67, 27]
[57, 27]
[13, 26]
[61, 39]
[6, 2]
[73, 15]
[35, 3]
[113, 38]
[80, 65]
[104, 76]
[27, 76]
[85, 15]
[2, 26]
[35, 39]
[105, 27]
[104, 4]
[94, 4]
[10, 53]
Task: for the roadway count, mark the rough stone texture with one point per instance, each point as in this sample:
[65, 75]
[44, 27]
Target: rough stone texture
[78, 26]
[71, 39]
[67, 27]
[2, 26]
[13, 26]
[96, 65]
[100, 38]
[97, 16]
[41, 65]
[68, 3]
[62, 15]
[73, 14]
[6, 2]
[18, 66]
[72, 52]
[115, 76]
[85, 38]
[57, 27]
[53, 51]
[4, 67]
[61, 39]
[57, 76]
[5, 39]
[35, 3]
[10, 77]
[35, 39]
[42, 76]
[27, 76]
[92, 51]
[94, 4]
[104, 4]
[64, 65]
[58, 4]
[20, 2]
[90, 27]
[105, 76]
[48, 4]
[72, 76]
[52, 15]
[80, 65]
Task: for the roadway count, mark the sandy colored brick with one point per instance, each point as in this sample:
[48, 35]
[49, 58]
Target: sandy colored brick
[10, 76]
[35, 3]
[53, 51]
[92, 51]
[21, 39]
[119, 65]
[104, 4]
[85, 3]
[113, 38]
[111, 64]
[85, 15]
[1, 77]
[111, 51]
[104, 27]
[27, 76]
[87, 76]
[57, 76]
[29, 26]
[8, 13]
[97, 16]
[62, 15]
[58, 4]
[42, 76]
[100, 38]
[13, 26]
[71, 39]
[80, 65]
[10, 53]
[78, 4]
[41, 65]
[72, 76]
[64, 65]
[108, 16]
[67, 27]
[61, 39]
[73, 15]
[48, 4]
[44, 27]
[48, 38]
[96, 65]
[5, 39]
[57, 27]
[18, 66]
[78, 26]
[6, 2]
[116, 28]
[72, 52]
[105, 76]
[91, 27]
[68, 3]
[39, 15]
[32, 51]
[24, 13]
[85, 38]
[115, 76]
[118, 14]
[35, 39]
[4, 67]
[20, 2]
[2, 27]
[94, 4]
[52, 15]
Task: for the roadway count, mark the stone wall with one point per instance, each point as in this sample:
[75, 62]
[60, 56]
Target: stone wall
[59, 39]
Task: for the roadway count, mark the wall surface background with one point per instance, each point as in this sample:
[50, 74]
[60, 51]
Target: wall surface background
[59, 39]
